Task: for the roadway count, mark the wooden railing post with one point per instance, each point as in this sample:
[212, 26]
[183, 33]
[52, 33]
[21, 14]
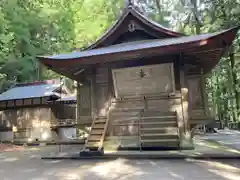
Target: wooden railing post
[139, 129]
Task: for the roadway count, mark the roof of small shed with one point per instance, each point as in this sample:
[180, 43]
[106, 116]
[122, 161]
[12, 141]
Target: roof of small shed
[31, 90]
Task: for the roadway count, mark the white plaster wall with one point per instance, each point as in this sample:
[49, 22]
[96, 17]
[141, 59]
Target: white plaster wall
[6, 136]
[67, 133]
[42, 134]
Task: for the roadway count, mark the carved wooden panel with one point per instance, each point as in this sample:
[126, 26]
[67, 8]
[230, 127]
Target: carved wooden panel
[144, 80]
[194, 89]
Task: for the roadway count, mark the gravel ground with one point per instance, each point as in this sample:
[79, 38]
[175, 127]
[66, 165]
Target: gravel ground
[27, 165]
[230, 138]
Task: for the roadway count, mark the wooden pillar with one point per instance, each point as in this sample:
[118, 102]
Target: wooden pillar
[78, 108]
[204, 95]
[185, 134]
[184, 99]
[93, 95]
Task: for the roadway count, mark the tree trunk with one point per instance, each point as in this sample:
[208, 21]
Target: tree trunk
[234, 84]
[196, 17]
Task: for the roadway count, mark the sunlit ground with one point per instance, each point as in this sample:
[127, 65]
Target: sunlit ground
[26, 164]
[15, 167]
[225, 170]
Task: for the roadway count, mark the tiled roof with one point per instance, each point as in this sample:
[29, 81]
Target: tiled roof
[30, 90]
[131, 46]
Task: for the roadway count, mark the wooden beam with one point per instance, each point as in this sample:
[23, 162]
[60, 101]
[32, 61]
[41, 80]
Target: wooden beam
[78, 72]
[204, 51]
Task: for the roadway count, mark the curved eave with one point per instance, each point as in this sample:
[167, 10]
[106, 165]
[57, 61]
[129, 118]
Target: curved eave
[130, 10]
[200, 47]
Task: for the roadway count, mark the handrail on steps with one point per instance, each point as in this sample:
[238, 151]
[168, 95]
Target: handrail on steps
[86, 142]
[139, 129]
[104, 132]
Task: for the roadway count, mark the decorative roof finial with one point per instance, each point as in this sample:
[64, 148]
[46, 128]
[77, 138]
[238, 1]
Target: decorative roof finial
[129, 3]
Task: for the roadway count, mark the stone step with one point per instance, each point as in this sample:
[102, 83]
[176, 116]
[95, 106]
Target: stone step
[134, 117]
[122, 111]
[171, 143]
[129, 105]
[115, 109]
[135, 121]
[158, 119]
[159, 140]
[127, 99]
[145, 113]
[164, 124]
[159, 136]
[125, 115]
[152, 112]
[159, 130]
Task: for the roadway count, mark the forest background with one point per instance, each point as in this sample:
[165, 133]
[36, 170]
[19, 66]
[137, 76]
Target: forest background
[35, 27]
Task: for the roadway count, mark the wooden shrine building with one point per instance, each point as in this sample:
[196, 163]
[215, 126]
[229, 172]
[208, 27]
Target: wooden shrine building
[29, 111]
[141, 84]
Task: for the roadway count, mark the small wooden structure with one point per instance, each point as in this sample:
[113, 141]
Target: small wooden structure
[30, 111]
[141, 85]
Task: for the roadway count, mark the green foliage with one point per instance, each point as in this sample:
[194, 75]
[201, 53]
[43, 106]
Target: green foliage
[200, 16]
[30, 28]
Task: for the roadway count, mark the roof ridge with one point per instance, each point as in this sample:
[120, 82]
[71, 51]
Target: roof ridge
[136, 13]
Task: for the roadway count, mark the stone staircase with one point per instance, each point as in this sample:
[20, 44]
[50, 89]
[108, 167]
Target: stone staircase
[156, 128]
[159, 130]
